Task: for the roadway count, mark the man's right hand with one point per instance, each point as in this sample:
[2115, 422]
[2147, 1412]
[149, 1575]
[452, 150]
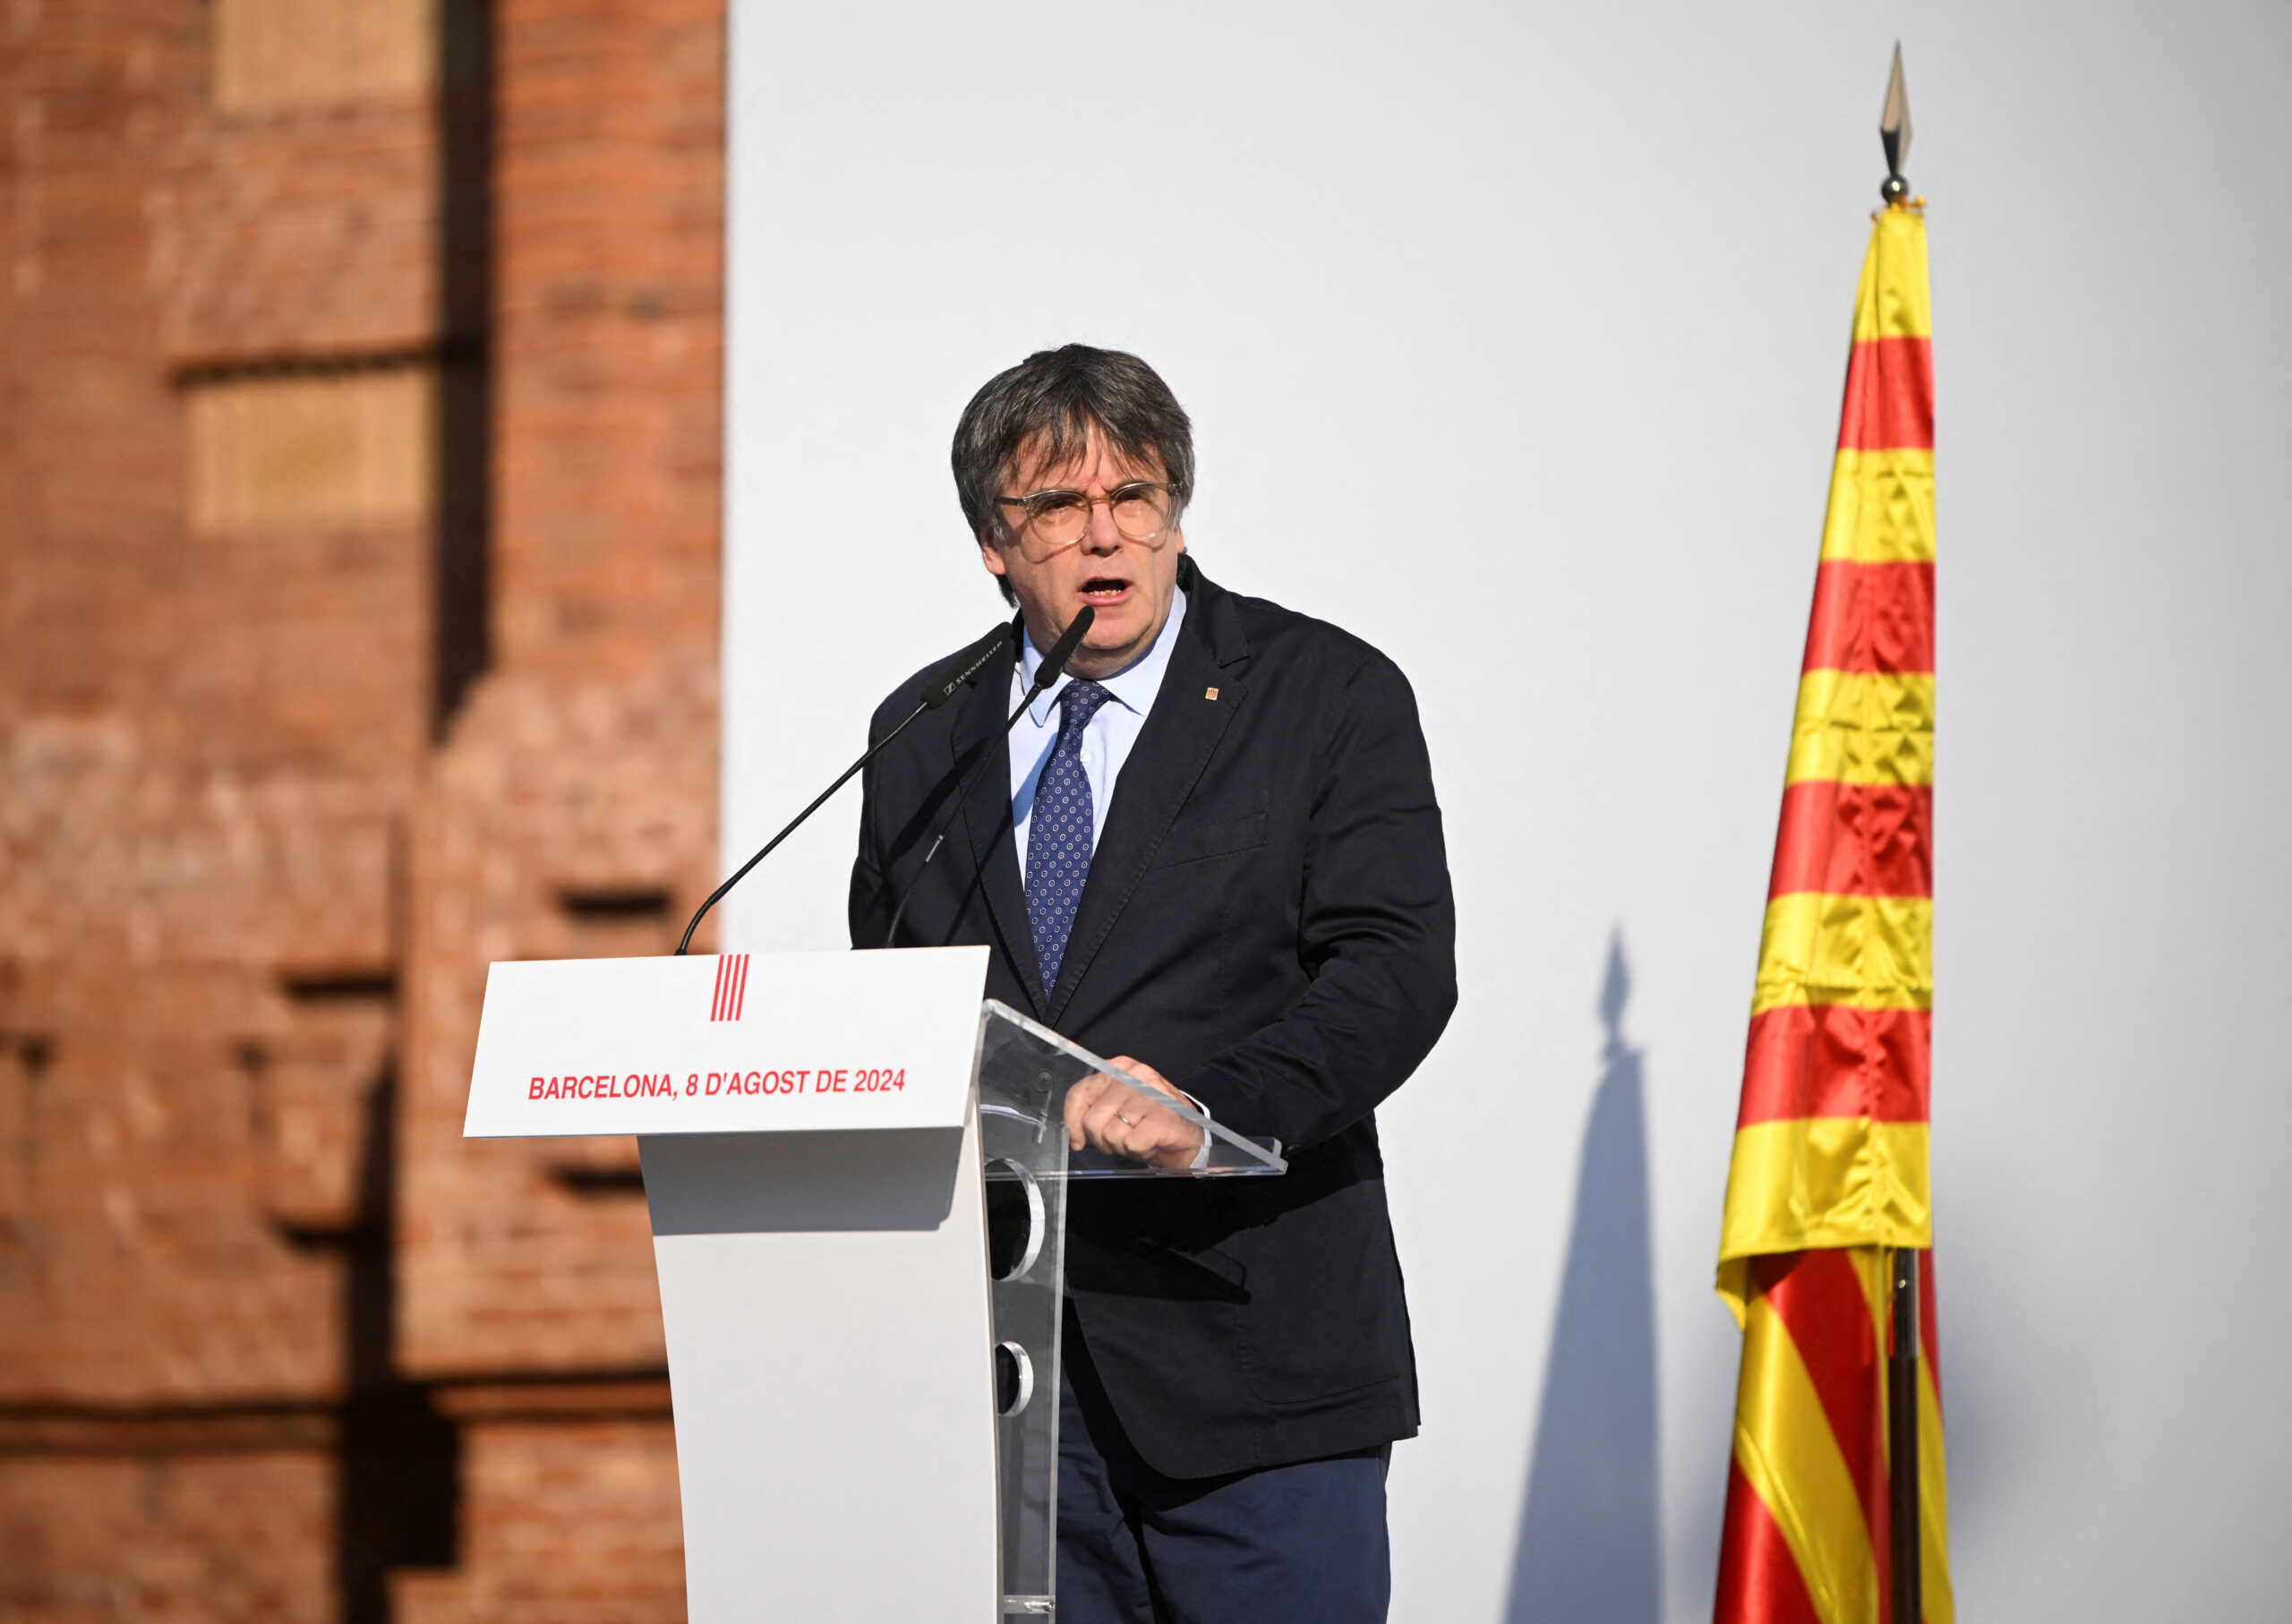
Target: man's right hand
[1106, 1114]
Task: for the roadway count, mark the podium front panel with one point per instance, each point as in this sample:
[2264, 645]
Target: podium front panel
[828, 1362]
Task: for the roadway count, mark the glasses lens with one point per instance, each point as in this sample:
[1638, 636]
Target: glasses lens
[1141, 512]
[1055, 520]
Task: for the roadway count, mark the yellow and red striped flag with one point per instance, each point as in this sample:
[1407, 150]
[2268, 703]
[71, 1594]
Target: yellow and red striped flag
[1830, 1171]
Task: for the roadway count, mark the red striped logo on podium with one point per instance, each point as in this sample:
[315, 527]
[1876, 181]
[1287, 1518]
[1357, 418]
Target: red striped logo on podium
[732, 986]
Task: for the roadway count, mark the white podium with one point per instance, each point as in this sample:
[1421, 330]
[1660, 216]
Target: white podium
[857, 1174]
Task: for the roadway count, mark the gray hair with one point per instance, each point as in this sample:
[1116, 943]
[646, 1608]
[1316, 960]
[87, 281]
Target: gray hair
[1056, 400]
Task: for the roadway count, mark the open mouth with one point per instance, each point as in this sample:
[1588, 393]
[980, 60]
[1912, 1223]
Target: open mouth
[1103, 588]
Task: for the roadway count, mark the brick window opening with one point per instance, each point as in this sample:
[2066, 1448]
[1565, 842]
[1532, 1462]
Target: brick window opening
[349, 448]
[271, 56]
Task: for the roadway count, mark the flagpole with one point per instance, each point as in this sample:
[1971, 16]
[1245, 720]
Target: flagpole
[1902, 1442]
[1904, 1546]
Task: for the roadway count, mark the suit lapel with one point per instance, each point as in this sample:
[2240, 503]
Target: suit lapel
[1181, 733]
[984, 824]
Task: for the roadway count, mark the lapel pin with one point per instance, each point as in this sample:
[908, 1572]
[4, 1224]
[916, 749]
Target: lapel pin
[1209, 693]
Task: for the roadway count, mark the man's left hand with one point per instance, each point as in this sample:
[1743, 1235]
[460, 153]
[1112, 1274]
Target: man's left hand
[1110, 1116]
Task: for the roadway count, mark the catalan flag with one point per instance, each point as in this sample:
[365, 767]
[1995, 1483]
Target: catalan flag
[1830, 1171]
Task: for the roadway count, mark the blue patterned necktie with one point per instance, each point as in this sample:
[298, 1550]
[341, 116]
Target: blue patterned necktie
[1060, 833]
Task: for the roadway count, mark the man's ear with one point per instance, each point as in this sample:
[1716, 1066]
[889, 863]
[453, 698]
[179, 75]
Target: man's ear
[990, 555]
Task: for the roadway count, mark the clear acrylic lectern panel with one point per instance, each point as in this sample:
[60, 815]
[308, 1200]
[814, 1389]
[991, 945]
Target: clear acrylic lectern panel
[1024, 1071]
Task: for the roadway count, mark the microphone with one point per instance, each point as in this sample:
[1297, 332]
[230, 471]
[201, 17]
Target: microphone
[1054, 664]
[943, 686]
[959, 670]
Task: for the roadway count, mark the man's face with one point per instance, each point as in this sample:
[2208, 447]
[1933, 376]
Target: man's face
[1129, 584]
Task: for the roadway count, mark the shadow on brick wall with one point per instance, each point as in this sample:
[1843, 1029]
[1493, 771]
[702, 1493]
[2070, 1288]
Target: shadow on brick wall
[460, 580]
[398, 1501]
[399, 1469]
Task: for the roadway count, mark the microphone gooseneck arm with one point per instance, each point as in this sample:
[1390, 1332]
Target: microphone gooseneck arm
[943, 688]
[742, 873]
[1054, 664]
[939, 835]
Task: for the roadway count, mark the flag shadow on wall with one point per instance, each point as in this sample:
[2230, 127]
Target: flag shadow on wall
[1590, 1544]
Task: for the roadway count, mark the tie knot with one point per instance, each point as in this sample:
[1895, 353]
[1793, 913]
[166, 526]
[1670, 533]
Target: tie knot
[1080, 702]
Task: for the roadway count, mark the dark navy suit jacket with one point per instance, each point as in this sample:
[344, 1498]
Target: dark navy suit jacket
[1268, 922]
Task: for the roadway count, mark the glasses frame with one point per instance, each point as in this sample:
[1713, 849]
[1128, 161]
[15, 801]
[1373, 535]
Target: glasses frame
[1022, 531]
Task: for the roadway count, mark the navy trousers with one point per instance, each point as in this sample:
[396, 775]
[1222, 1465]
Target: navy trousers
[1303, 1541]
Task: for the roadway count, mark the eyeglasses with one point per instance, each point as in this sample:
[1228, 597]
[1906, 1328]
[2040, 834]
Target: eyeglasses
[1055, 520]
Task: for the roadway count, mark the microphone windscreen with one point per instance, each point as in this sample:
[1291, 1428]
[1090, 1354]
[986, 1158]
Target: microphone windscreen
[962, 667]
[1062, 651]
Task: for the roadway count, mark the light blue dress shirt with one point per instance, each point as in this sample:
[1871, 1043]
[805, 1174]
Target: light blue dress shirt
[1107, 742]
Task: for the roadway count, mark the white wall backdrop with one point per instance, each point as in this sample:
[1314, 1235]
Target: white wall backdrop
[1513, 338]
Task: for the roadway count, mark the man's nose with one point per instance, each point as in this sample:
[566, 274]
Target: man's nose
[1101, 536]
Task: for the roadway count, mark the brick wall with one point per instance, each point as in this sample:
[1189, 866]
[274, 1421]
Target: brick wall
[358, 620]
[189, 1535]
[567, 1519]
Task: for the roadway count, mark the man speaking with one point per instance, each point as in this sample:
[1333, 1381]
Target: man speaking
[1211, 852]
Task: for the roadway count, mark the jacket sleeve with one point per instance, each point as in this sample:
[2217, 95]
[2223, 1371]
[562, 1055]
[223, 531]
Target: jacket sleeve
[1376, 933]
[865, 908]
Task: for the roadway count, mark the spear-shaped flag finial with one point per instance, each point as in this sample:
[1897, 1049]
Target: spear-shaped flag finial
[1893, 132]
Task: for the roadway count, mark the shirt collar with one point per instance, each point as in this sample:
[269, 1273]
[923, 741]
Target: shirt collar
[1134, 687]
